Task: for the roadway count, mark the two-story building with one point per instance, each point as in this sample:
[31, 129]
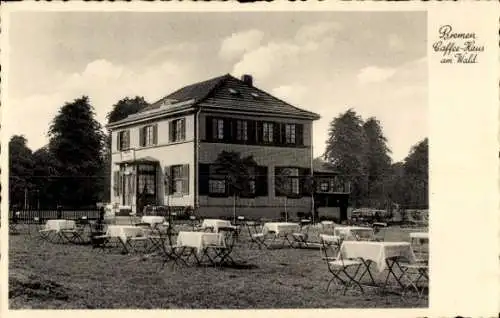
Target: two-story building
[165, 154]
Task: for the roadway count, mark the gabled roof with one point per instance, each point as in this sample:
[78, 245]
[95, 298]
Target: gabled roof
[225, 93]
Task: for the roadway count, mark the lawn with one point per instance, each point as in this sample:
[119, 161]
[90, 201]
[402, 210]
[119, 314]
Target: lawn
[43, 275]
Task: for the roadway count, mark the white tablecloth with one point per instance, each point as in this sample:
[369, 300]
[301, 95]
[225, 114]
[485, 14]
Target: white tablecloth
[152, 220]
[215, 224]
[377, 252]
[58, 225]
[350, 232]
[419, 235]
[281, 228]
[199, 240]
[124, 231]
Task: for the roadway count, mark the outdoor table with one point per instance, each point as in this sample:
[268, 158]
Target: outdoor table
[198, 242]
[418, 239]
[281, 229]
[153, 221]
[385, 255]
[123, 233]
[57, 226]
[215, 224]
[354, 232]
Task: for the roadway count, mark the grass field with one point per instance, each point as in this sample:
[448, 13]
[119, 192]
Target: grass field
[43, 275]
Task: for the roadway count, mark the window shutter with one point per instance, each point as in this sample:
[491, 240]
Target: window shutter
[282, 139]
[167, 181]
[183, 129]
[142, 139]
[185, 177]
[128, 139]
[120, 183]
[155, 134]
[258, 132]
[204, 176]
[116, 175]
[171, 130]
[261, 187]
[276, 133]
[209, 128]
[303, 179]
[251, 132]
[299, 133]
[277, 180]
[118, 140]
[228, 136]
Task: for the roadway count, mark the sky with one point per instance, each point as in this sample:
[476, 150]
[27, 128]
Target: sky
[325, 62]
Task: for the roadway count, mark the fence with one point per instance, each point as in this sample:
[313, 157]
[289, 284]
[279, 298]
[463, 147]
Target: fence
[28, 216]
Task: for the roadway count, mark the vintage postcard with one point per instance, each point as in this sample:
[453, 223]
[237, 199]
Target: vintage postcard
[330, 159]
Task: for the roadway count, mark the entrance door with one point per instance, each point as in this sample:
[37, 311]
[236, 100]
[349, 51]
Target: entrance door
[146, 186]
[128, 189]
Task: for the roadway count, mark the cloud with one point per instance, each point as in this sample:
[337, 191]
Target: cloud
[237, 44]
[375, 74]
[292, 94]
[317, 31]
[105, 83]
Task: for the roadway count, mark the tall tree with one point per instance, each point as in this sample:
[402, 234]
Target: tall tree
[45, 176]
[125, 107]
[378, 163]
[416, 170]
[238, 174]
[346, 149]
[77, 143]
[20, 170]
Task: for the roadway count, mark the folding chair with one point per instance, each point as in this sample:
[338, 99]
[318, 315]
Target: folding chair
[379, 231]
[339, 267]
[223, 249]
[300, 238]
[256, 238]
[413, 274]
[78, 234]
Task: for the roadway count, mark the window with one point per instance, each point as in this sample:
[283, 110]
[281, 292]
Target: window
[216, 182]
[217, 186]
[324, 186]
[178, 130]
[290, 134]
[251, 183]
[148, 135]
[242, 130]
[123, 140]
[267, 132]
[178, 179]
[217, 129]
[287, 181]
[147, 184]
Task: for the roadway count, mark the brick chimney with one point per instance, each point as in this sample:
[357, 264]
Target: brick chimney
[247, 79]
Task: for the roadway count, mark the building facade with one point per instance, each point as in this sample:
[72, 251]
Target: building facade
[165, 154]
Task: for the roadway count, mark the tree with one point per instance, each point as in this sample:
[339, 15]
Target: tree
[346, 149]
[378, 163]
[238, 174]
[125, 107]
[416, 171]
[77, 143]
[45, 176]
[20, 170]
